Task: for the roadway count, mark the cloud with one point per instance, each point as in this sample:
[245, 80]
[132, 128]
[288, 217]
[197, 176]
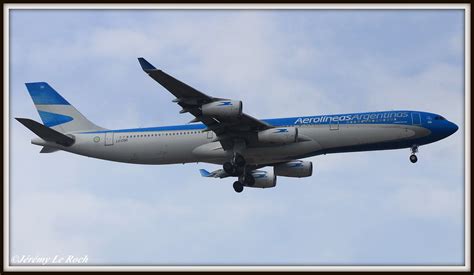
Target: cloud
[435, 202]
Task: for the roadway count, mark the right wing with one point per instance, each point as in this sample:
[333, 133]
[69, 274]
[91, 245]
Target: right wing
[215, 174]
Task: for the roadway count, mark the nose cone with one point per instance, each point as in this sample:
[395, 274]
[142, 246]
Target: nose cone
[452, 128]
[455, 127]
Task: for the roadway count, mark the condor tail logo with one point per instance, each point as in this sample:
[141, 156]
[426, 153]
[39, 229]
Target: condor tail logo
[56, 112]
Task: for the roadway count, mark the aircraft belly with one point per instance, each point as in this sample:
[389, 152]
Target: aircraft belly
[211, 151]
[146, 150]
[170, 150]
[349, 135]
[279, 153]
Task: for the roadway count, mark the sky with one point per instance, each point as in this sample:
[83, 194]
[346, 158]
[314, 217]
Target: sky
[367, 208]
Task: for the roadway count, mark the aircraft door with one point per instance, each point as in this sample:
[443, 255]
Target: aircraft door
[334, 125]
[109, 138]
[416, 118]
[210, 135]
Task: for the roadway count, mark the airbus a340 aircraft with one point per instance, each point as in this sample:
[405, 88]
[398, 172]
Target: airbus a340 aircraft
[222, 134]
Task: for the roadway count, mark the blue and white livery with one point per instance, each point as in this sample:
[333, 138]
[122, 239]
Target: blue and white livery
[221, 133]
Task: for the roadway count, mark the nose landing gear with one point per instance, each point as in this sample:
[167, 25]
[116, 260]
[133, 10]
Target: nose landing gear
[413, 157]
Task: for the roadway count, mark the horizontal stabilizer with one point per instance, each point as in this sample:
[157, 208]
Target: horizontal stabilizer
[47, 149]
[46, 133]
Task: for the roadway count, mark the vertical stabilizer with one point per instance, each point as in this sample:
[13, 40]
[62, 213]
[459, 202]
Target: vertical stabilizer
[56, 112]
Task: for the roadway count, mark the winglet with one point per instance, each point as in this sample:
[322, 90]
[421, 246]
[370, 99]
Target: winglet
[146, 66]
[204, 173]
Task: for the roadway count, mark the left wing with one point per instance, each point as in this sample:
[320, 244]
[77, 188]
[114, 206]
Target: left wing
[192, 101]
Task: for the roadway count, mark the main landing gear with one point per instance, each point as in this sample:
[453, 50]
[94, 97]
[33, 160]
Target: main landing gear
[414, 150]
[247, 180]
[236, 167]
[238, 187]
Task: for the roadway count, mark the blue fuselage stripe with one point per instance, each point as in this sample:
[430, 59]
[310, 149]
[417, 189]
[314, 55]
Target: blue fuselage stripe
[389, 117]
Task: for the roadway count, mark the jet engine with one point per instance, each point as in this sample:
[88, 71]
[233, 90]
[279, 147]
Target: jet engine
[223, 108]
[279, 135]
[264, 179]
[294, 169]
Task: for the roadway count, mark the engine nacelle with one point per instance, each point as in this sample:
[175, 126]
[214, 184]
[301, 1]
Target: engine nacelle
[294, 168]
[279, 135]
[223, 108]
[264, 179]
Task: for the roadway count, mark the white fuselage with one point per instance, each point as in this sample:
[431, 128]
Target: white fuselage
[194, 145]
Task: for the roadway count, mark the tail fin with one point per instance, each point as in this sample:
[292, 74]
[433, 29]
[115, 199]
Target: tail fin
[55, 112]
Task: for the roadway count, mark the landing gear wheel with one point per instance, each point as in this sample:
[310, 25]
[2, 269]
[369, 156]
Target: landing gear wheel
[413, 158]
[238, 187]
[239, 160]
[229, 168]
[249, 180]
[239, 171]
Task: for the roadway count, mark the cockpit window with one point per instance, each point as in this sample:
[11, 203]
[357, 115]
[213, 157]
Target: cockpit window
[439, 118]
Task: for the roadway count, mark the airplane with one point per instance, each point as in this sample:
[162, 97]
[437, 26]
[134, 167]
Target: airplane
[221, 133]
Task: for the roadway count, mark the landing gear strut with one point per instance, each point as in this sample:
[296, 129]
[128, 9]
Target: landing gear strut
[414, 150]
[229, 168]
[239, 160]
[236, 166]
